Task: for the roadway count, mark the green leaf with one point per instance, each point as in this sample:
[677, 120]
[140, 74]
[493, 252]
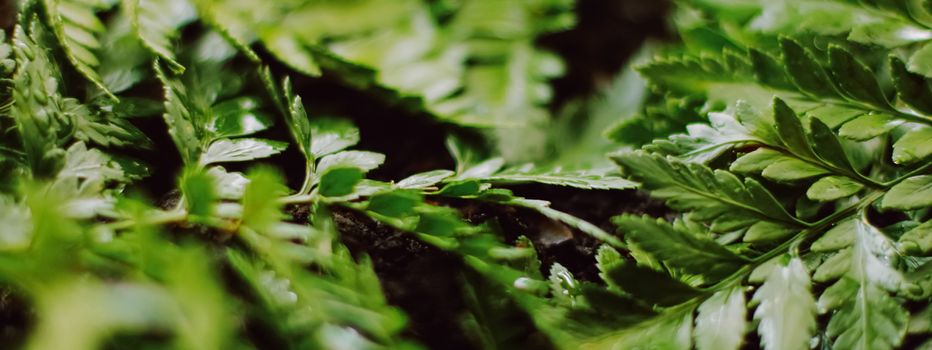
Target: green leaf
[77, 28]
[766, 231]
[866, 316]
[854, 78]
[157, 22]
[869, 319]
[606, 259]
[329, 135]
[914, 146]
[720, 324]
[397, 204]
[786, 309]
[290, 51]
[585, 178]
[240, 150]
[482, 170]
[649, 285]
[89, 164]
[838, 237]
[911, 88]
[716, 196]
[362, 160]
[756, 161]
[178, 117]
[238, 117]
[792, 169]
[806, 72]
[768, 71]
[705, 143]
[921, 61]
[678, 249]
[296, 116]
[425, 179]
[791, 129]
[868, 126]
[199, 193]
[229, 185]
[827, 146]
[913, 193]
[261, 208]
[669, 331]
[917, 240]
[830, 188]
[339, 181]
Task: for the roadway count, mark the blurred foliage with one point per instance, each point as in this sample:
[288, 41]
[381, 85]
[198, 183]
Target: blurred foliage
[790, 138]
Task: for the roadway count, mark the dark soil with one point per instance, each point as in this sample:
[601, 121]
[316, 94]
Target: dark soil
[426, 282]
[416, 277]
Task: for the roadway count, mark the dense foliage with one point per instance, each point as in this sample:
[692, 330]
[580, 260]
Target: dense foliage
[791, 141]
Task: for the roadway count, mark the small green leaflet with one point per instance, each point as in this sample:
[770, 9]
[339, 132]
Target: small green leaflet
[914, 146]
[912, 193]
[721, 322]
[716, 196]
[339, 181]
[239, 150]
[805, 71]
[649, 285]
[585, 179]
[679, 249]
[830, 188]
[868, 126]
[156, 22]
[919, 239]
[854, 78]
[296, 117]
[199, 192]
[330, 135]
[921, 60]
[425, 179]
[77, 27]
[178, 117]
[362, 160]
[238, 117]
[88, 164]
[786, 309]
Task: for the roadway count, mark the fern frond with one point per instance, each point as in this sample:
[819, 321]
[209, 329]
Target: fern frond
[157, 23]
[78, 29]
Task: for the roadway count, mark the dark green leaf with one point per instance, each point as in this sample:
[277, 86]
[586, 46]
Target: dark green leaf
[806, 72]
[199, 193]
[912, 193]
[721, 324]
[649, 285]
[914, 146]
[855, 79]
[678, 249]
[786, 309]
[911, 88]
[339, 181]
[238, 117]
[868, 126]
[830, 188]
